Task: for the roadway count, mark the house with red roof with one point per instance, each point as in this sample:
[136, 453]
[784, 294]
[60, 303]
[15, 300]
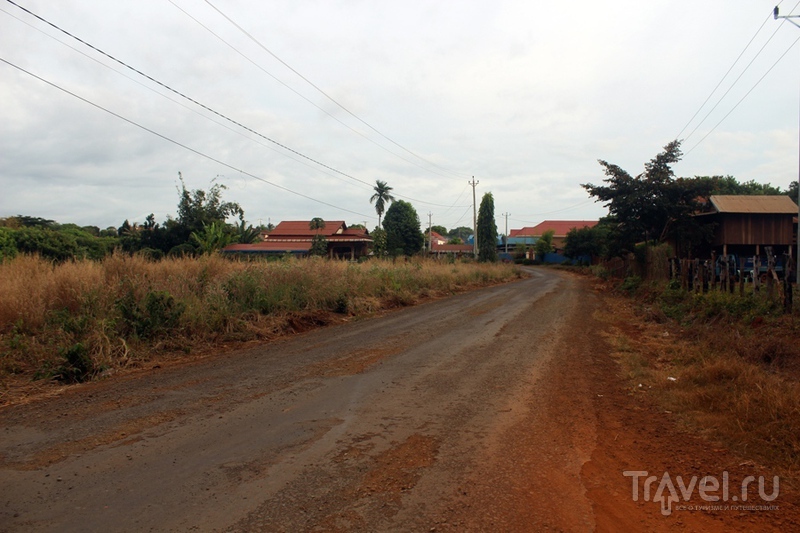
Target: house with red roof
[439, 246]
[560, 229]
[295, 236]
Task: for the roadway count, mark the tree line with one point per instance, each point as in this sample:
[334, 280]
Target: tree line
[656, 206]
[205, 222]
[201, 226]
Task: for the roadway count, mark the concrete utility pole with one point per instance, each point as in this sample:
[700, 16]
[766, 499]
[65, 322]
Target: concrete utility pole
[474, 219]
[430, 234]
[797, 258]
[506, 215]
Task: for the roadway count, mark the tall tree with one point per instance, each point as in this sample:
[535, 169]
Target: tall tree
[403, 235]
[487, 229]
[381, 197]
[198, 208]
[653, 205]
[462, 233]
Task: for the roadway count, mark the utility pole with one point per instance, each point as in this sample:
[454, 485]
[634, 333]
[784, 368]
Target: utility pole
[430, 234]
[506, 215]
[789, 18]
[474, 219]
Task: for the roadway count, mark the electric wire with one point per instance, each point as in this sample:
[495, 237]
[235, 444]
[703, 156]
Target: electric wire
[278, 80]
[743, 97]
[455, 224]
[173, 100]
[724, 77]
[326, 95]
[179, 144]
[736, 81]
[551, 212]
[221, 115]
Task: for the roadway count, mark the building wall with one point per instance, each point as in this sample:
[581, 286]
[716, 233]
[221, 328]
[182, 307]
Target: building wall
[753, 229]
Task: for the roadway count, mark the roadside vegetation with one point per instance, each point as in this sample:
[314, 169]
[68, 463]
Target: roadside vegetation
[727, 365]
[73, 320]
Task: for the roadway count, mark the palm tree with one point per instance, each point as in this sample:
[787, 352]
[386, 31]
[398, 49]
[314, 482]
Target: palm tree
[381, 197]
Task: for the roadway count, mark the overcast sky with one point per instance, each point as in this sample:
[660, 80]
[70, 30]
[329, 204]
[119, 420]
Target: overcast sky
[525, 96]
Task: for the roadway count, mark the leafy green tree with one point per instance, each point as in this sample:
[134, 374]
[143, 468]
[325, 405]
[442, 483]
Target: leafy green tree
[403, 235]
[544, 245]
[213, 237]
[730, 186]
[487, 229]
[130, 237]
[46, 242]
[382, 196]
[34, 222]
[8, 247]
[319, 246]
[316, 223]
[585, 242]
[791, 192]
[89, 246]
[455, 240]
[198, 208]
[247, 235]
[461, 232]
[653, 205]
[379, 242]
[441, 230]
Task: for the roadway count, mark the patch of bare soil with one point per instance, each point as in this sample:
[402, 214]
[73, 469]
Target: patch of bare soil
[635, 435]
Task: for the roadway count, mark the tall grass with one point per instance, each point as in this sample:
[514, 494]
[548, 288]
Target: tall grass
[88, 316]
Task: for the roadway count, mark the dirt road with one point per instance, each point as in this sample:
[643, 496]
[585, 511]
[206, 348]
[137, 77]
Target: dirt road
[497, 410]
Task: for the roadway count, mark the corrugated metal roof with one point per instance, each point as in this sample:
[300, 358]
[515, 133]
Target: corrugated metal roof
[769, 205]
[300, 227]
[560, 228]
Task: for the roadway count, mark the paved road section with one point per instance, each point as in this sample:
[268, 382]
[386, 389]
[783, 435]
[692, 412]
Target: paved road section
[387, 424]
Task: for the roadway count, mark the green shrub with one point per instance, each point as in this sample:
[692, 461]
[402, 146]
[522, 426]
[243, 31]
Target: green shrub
[76, 366]
[631, 284]
[600, 271]
[157, 313]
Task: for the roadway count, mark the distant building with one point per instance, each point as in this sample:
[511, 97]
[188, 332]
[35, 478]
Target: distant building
[560, 229]
[294, 237]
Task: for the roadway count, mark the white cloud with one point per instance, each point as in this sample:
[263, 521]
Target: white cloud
[526, 96]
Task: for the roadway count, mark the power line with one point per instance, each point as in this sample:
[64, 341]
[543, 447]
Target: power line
[323, 110]
[162, 95]
[208, 108]
[326, 95]
[177, 143]
[552, 212]
[725, 76]
[743, 97]
[736, 81]
[173, 100]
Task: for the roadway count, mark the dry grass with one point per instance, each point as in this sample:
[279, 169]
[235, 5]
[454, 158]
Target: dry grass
[122, 310]
[730, 376]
